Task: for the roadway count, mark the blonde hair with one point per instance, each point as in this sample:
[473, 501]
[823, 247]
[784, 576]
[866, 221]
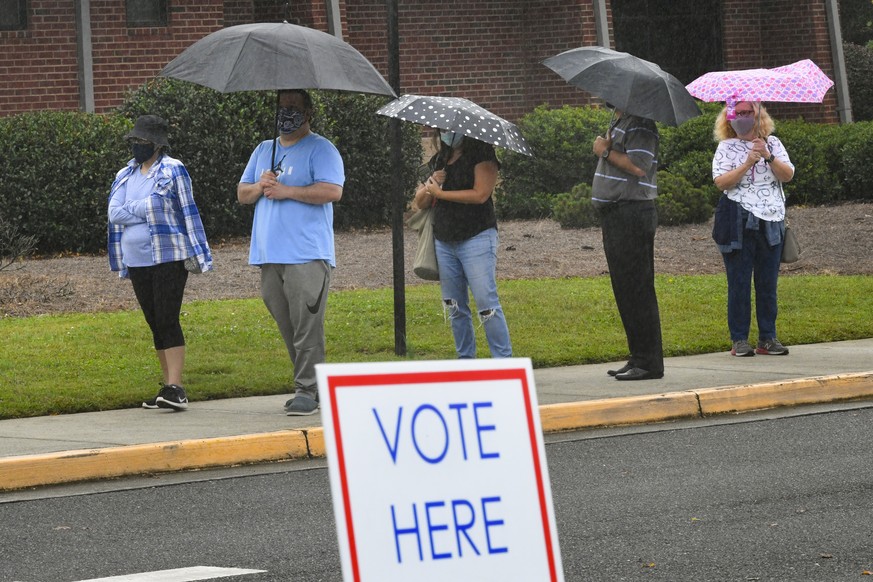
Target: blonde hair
[763, 128]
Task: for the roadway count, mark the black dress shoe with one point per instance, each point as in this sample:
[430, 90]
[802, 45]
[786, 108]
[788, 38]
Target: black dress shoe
[639, 374]
[627, 367]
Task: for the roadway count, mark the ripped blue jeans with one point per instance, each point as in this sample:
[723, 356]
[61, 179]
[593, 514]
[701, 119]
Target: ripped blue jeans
[473, 263]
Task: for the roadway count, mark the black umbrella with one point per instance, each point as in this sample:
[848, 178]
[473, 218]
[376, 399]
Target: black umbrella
[251, 57]
[630, 84]
[458, 115]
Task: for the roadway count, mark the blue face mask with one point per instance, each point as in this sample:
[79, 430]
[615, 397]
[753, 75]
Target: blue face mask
[451, 138]
[289, 120]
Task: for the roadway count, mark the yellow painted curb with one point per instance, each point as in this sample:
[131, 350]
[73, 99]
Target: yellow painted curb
[315, 438]
[90, 464]
[815, 390]
[618, 411]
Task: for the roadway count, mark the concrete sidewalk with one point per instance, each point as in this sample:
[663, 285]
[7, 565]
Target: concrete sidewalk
[97, 445]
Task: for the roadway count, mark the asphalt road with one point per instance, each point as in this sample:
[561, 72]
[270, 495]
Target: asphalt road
[772, 499]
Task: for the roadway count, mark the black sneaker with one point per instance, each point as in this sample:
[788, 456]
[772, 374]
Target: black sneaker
[152, 403]
[172, 396]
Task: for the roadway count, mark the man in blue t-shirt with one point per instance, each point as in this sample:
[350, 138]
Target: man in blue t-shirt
[293, 182]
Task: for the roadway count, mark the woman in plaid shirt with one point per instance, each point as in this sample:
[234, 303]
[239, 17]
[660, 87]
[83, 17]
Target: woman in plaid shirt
[156, 237]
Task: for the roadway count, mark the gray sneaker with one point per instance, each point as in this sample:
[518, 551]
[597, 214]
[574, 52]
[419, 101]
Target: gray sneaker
[742, 349]
[301, 405]
[771, 347]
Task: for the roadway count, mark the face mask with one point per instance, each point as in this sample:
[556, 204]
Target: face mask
[451, 138]
[743, 125]
[289, 120]
[142, 151]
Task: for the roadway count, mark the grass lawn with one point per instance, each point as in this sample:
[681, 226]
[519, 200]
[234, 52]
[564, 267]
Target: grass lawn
[84, 362]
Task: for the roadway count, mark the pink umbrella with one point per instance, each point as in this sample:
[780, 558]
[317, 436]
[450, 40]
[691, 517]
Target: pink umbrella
[800, 82]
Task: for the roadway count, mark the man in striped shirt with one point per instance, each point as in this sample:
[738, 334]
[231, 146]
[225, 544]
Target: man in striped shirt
[623, 191]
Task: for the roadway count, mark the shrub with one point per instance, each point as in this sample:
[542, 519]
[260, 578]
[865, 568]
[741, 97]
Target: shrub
[692, 137]
[55, 175]
[855, 156]
[213, 134]
[14, 245]
[859, 76]
[679, 202]
[363, 138]
[574, 209]
[812, 149]
[561, 143]
[216, 158]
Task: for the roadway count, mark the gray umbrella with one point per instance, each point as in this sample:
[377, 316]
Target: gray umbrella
[459, 115]
[268, 55]
[251, 57]
[628, 83]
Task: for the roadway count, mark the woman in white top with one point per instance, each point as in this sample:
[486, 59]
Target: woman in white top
[750, 166]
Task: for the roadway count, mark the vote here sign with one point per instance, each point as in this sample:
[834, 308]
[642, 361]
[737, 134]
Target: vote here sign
[438, 471]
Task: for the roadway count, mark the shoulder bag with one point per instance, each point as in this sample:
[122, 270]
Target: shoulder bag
[790, 245]
[425, 263]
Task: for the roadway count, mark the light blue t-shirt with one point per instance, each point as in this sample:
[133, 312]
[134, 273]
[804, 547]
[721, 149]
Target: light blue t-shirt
[290, 232]
[128, 208]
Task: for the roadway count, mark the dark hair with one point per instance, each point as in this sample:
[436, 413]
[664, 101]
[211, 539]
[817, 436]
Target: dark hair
[469, 145]
[307, 98]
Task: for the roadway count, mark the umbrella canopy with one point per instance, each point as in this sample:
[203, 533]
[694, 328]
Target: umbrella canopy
[631, 84]
[800, 82]
[251, 57]
[459, 115]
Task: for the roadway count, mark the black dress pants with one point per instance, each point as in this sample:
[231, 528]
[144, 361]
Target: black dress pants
[629, 243]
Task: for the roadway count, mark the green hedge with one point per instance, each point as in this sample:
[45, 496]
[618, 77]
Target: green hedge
[832, 164]
[678, 202]
[214, 134]
[55, 173]
[561, 141]
[859, 77]
[56, 168]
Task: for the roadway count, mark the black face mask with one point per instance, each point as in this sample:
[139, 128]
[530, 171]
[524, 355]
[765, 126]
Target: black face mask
[289, 120]
[142, 151]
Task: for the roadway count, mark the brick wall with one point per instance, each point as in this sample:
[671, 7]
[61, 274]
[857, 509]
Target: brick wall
[124, 58]
[39, 66]
[489, 51]
[772, 33]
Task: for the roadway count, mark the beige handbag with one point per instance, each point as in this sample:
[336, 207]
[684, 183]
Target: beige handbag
[425, 263]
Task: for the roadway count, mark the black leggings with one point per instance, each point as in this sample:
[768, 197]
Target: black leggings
[159, 290]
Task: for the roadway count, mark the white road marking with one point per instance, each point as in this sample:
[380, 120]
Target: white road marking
[178, 575]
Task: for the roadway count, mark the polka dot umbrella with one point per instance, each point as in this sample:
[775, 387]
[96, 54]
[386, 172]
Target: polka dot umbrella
[458, 115]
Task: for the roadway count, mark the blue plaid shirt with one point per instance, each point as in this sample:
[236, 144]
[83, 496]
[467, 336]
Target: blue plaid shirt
[174, 221]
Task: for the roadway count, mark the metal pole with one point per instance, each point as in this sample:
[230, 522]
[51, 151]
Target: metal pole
[85, 56]
[601, 24]
[841, 84]
[397, 185]
[334, 25]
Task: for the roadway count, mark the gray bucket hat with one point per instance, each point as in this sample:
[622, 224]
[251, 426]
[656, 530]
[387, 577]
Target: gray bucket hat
[151, 128]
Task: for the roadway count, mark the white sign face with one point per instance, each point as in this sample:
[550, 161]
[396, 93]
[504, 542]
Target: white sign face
[438, 471]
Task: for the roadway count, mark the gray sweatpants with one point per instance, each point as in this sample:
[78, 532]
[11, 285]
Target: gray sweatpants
[296, 296]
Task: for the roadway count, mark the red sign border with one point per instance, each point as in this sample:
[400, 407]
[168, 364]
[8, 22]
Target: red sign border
[339, 381]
